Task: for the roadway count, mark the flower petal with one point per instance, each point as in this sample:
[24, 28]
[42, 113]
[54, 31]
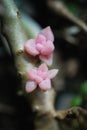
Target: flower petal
[52, 73]
[43, 75]
[41, 39]
[45, 84]
[47, 32]
[43, 67]
[39, 47]
[38, 79]
[30, 86]
[30, 47]
[48, 48]
[32, 74]
[47, 59]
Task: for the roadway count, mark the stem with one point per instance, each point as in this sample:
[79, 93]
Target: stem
[15, 35]
[13, 31]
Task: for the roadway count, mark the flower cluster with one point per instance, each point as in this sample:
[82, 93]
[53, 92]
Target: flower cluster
[40, 76]
[42, 47]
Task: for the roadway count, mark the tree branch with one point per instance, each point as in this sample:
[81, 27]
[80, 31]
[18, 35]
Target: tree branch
[15, 34]
[60, 8]
[73, 113]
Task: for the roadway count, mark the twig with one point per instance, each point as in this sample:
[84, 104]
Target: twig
[60, 8]
[73, 113]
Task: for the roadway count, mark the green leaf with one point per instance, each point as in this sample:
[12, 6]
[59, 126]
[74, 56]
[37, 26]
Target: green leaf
[77, 101]
[84, 88]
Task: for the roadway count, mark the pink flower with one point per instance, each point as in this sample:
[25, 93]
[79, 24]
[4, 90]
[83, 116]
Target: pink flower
[42, 46]
[40, 77]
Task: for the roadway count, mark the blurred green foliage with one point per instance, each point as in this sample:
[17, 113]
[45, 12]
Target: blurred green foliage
[77, 101]
[73, 8]
[83, 89]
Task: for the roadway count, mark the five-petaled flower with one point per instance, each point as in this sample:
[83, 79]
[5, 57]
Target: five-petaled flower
[41, 77]
[41, 46]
